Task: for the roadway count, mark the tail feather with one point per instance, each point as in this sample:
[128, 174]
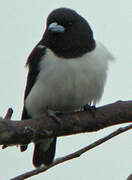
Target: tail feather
[42, 155]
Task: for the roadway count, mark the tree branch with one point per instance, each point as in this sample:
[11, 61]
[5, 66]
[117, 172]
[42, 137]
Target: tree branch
[73, 155]
[33, 130]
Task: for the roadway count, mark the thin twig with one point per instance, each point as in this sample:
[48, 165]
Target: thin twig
[7, 117]
[73, 155]
[9, 114]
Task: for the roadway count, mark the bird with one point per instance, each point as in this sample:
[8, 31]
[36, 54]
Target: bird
[67, 69]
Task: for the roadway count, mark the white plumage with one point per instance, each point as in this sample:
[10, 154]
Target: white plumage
[67, 84]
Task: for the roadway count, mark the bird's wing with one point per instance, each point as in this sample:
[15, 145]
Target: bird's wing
[32, 63]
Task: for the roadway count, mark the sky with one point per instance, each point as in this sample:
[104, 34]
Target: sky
[22, 24]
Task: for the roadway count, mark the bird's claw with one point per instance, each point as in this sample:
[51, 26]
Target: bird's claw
[54, 117]
[91, 109]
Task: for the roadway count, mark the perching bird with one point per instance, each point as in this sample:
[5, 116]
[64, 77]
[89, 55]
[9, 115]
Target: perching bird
[67, 69]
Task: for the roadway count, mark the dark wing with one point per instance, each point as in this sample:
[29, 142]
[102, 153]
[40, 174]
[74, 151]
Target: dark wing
[32, 63]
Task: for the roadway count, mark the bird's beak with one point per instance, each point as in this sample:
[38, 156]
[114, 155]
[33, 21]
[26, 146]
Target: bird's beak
[55, 27]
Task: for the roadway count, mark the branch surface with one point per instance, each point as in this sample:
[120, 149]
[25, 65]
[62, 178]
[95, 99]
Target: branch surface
[33, 130]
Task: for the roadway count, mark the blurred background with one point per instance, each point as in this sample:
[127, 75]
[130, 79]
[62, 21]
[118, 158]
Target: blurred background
[22, 24]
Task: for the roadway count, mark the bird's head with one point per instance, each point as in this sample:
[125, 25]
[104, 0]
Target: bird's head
[68, 34]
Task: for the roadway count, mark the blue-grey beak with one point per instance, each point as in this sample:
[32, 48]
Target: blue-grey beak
[55, 27]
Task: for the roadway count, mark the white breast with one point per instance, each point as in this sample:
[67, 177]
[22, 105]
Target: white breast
[67, 84]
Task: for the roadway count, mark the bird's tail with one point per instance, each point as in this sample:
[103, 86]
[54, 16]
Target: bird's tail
[44, 152]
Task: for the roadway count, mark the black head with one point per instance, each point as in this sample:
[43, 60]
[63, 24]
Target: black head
[68, 34]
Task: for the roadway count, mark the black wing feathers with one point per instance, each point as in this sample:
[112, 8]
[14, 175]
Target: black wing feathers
[32, 63]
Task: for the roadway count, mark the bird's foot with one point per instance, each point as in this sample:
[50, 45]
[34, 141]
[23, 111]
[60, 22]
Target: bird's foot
[91, 109]
[32, 133]
[53, 115]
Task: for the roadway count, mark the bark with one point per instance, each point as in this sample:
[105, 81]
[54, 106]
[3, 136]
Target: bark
[33, 130]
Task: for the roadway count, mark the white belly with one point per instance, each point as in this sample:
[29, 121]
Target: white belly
[67, 84]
